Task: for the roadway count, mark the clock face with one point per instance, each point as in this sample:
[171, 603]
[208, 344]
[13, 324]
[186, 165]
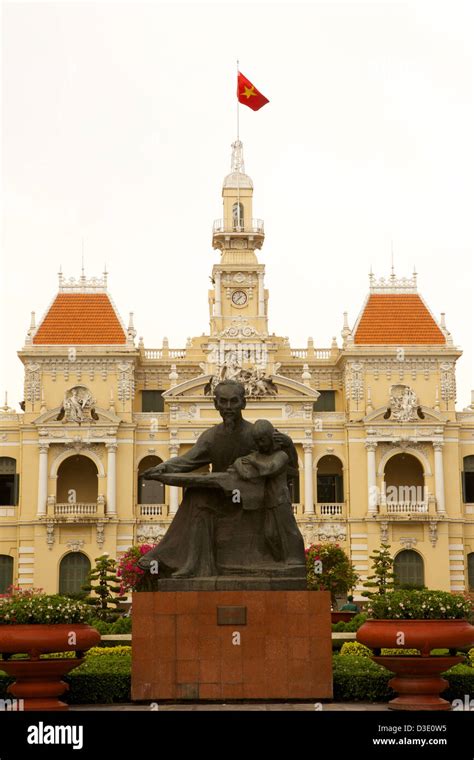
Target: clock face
[239, 297]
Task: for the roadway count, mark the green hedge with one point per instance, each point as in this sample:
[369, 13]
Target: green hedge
[359, 679]
[107, 679]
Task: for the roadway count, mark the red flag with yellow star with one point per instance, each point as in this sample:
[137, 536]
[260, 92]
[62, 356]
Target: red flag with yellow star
[248, 94]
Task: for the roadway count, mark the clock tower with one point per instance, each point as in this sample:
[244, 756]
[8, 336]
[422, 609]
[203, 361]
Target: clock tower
[238, 300]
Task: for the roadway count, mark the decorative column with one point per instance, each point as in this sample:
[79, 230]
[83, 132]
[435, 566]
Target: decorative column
[174, 490]
[111, 505]
[371, 476]
[43, 478]
[217, 291]
[261, 296]
[439, 476]
[308, 478]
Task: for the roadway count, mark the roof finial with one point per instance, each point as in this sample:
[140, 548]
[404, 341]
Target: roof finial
[105, 273]
[392, 276]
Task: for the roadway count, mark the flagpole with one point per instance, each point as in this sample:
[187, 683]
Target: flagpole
[237, 98]
[238, 140]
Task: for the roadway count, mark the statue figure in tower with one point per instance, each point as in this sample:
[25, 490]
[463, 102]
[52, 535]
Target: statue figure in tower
[214, 533]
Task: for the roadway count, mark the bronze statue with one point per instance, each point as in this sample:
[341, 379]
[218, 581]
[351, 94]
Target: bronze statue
[238, 519]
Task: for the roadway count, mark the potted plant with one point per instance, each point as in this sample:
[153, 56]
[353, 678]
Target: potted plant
[328, 568]
[35, 624]
[421, 620]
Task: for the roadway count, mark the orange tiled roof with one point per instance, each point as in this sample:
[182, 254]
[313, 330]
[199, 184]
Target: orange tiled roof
[397, 319]
[80, 318]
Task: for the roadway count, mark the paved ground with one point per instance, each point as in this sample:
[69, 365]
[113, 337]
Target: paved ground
[254, 707]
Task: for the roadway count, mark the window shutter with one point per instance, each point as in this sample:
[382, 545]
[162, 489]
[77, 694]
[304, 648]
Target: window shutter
[16, 489]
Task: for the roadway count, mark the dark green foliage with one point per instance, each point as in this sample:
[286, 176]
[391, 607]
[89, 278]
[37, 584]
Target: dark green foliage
[121, 625]
[358, 679]
[382, 578]
[104, 584]
[351, 626]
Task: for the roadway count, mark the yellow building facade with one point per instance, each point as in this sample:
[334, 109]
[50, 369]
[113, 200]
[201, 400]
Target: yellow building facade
[383, 454]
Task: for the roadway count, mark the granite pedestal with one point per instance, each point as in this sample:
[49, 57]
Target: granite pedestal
[221, 645]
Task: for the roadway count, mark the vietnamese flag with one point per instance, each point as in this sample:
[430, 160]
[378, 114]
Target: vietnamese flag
[248, 94]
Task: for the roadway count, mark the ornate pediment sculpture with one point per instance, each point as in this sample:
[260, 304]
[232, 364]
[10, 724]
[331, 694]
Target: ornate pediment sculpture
[254, 380]
[78, 406]
[403, 404]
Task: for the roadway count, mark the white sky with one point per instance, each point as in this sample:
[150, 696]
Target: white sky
[117, 124]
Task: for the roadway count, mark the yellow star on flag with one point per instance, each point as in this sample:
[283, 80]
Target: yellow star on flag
[249, 92]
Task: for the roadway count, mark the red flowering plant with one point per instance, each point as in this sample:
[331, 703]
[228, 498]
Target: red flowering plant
[132, 577]
[328, 568]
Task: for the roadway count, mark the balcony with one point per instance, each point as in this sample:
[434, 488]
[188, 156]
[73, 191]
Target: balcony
[252, 226]
[408, 508]
[333, 509]
[76, 511]
[153, 510]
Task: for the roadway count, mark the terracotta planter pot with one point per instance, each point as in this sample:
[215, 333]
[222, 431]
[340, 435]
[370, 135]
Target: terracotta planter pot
[36, 639]
[424, 635]
[418, 681]
[38, 682]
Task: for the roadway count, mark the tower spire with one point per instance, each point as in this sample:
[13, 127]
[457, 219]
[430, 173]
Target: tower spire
[237, 159]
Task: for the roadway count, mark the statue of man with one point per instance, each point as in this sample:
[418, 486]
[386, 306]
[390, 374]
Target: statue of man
[208, 527]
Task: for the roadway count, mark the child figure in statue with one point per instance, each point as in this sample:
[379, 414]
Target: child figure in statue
[270, 463]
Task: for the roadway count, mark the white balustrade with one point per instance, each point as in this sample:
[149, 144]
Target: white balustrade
[152, 510]
[403, 507]
[331, 510]
[76, 508]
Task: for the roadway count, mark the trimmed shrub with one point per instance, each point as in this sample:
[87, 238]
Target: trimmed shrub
[354, 649]
[358, 679]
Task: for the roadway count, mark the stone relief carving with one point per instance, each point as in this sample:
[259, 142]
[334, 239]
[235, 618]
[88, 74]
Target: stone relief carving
[147, 532]
[403, 404]
[239, 278]
[32, 382]
[78, 406]
[323, 532]
[448, 381]
[354, 381]
[408, 542]
[75, 545]
[255, 382]
[126, 381]
[240, 327]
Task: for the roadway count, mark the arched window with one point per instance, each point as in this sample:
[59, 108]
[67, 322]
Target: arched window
[73, 573]
[329, 480]
[468, 480]
[409, 569]
[470, 571]
[6, 572]
[9, 482]
[237, 215]
[149, 491]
